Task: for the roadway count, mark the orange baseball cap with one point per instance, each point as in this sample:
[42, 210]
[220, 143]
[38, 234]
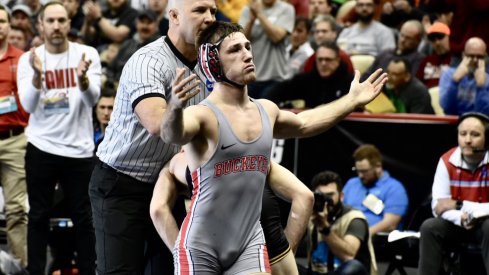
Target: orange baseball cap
[439, 27]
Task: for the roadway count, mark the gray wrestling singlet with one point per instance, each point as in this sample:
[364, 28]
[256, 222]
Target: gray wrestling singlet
[222, 231]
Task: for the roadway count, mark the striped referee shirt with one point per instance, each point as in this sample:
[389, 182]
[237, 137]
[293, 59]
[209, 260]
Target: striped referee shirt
[127, 146]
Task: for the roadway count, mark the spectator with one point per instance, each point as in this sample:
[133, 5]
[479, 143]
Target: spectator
[319, 7]
[34, 6]
[460, 190]
[103, 110]
[267, 23]
[299, 49]
[21, 18]
[410, 37]
[17, 37]
[407, 94]
[395, 13]
[367, 36]
[115, 24]
[339, 241]
[13, 119]
[433, 65]
[466, 87]
[59, 83]
[467, 21]
[328, 81]
[325, 29]
[74, 13]
[159, 7]
[107, 56]
[381, 198]
[146, 32]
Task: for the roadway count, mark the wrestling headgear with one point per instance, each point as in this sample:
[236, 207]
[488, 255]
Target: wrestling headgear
[210, 64]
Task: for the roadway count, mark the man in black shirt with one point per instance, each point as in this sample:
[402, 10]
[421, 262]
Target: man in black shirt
[328, 81]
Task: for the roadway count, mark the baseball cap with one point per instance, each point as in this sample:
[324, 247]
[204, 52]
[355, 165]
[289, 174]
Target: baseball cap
[23, 8]
[151, 15]
[439, 27]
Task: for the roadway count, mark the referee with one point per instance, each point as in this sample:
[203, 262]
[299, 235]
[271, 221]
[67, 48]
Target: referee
[132, 153]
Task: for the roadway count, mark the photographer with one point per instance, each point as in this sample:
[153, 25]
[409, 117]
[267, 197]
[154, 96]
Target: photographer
[339, 241]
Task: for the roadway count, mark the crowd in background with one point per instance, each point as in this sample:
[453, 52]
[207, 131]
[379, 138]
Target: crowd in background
[306, 54]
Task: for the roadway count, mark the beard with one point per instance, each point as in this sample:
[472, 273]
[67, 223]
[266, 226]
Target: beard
[249, 78]
[371, 181]
[365, 18]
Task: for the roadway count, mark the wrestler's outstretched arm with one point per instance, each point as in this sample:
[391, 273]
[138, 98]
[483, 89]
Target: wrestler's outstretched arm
[287, 186]
[170, 183]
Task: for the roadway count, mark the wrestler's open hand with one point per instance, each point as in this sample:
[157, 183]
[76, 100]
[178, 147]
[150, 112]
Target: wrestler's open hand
[363, 93]
[184, 88]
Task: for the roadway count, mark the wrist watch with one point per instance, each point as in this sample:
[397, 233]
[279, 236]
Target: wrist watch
[459, 204]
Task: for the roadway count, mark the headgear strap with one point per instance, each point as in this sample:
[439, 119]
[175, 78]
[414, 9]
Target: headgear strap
[211, 64]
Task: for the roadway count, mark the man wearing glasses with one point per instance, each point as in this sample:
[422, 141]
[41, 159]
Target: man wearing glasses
[379, 196]
[432, 66]
[465, 88]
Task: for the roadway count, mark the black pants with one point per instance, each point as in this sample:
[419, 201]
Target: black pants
[127, 242]
[439, 236]
[43, 171]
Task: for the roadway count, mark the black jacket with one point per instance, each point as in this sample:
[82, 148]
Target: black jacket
[313, 89]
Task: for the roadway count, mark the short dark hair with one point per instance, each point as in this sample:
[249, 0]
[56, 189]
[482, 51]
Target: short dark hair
[17, 28]
[302, 19]
[407, 65]
[107, 92]
[368, 152]
[484, 119]
[216, 32]
[48, 4]
[330, 45]
[325, 178]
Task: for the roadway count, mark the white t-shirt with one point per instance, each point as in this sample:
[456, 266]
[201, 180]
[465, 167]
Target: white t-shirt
[60, 121]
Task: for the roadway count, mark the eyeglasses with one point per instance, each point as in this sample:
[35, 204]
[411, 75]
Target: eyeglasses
[362, 171]
[435, 36]
[325, 59]
[368, 5]
[475, 56]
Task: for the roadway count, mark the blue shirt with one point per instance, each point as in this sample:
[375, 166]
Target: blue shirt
[387, 189]
[457, 98]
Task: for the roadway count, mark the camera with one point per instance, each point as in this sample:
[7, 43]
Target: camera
[320, 199]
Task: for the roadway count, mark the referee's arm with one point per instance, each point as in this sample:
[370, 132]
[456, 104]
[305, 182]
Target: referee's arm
[149, 112]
